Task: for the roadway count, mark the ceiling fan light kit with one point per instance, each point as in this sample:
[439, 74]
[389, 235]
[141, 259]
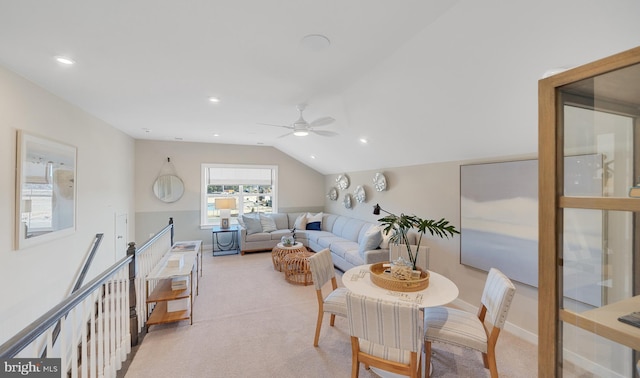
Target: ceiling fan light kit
[302, 128]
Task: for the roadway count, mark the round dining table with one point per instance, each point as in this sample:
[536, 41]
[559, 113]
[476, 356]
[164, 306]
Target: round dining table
[440, 291]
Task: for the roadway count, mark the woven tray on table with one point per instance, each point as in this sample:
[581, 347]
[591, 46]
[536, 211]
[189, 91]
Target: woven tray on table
[386, 281]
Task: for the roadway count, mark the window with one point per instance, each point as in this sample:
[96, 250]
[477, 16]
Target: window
[252, 186]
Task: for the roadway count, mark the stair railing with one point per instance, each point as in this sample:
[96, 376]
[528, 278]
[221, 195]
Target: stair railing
[98, 322]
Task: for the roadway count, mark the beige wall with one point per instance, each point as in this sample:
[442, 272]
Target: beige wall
[300, 187]
[433, 191]
[35, 279]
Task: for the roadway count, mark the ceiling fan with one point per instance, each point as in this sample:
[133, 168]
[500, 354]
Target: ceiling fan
[302, 128]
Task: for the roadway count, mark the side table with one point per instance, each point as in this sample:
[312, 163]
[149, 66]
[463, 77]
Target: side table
[233, 245]
[279, 251]
[296, 268]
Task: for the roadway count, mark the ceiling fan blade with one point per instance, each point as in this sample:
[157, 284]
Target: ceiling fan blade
[284, 135]
[322, 121]
[269, 124]
[324, 133]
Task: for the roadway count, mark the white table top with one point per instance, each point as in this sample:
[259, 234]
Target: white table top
[161, 270]
[440, 291]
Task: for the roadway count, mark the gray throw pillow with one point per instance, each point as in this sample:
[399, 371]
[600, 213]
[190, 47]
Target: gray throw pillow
[252, 225]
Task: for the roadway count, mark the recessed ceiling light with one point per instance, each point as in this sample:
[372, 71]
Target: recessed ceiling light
[364, 141]
[315, 42]
[216, 134]
[215, 100]
[178, 138]
[64, 60]
[313, 156]
[146, 130]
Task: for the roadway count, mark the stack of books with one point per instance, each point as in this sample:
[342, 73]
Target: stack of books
[175, 261]
[179, 283]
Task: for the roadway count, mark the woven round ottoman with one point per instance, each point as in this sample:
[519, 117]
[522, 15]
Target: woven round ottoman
[279, 251]
[296, 268]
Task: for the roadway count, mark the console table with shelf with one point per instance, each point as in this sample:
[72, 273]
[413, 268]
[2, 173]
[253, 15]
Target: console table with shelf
[159, 290]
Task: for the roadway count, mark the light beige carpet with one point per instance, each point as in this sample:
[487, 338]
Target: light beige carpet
[249, 322]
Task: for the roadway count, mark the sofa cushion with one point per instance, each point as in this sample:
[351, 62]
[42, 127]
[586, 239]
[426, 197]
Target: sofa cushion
[268, 224]
[278, 234]
[281, 220]
[343, 247]
[371, 239]
[316, 235]
[354, 258]
[329, 241]
[314, 222]
[338, 225]
[259, 236]
[328, 220]
[252, 224]
[351, 229]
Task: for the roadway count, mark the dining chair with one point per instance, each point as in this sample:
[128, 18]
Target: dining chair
[467, 330]
[384, 334]
[322, 271]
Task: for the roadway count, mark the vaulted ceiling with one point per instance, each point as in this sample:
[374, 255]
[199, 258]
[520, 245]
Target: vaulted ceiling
[149, 67]
[422, 80]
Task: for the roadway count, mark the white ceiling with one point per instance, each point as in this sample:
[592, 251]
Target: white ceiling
[152, 65]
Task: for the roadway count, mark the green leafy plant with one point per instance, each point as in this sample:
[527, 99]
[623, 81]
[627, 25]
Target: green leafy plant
[400, 226]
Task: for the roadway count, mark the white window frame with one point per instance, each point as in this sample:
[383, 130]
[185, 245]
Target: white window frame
[204, 171]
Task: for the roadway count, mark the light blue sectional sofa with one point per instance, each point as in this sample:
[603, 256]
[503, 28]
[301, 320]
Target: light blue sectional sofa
[351, 241]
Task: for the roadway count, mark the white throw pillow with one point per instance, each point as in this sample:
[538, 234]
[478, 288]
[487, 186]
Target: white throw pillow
[314, 222]
[252, 225]
[268, 224]
[386, 238]
[371, 240]
[301, 222]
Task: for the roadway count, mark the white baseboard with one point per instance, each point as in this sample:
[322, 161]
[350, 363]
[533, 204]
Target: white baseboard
[509, 327]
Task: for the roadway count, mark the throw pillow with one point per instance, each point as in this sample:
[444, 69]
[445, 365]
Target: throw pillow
[268, 224]
[386, 238]
[253, 225]
[241, 222]
[301, 222]
[314, 222]
[371, 240]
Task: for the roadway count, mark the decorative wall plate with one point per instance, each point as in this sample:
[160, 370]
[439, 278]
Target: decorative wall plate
[360, 194]
[380, 182]
[342, 181]
[347, 201]
[333, 194]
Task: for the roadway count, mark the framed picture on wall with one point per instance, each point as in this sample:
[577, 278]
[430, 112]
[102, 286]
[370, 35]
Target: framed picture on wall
[45, 190]
[499, 222]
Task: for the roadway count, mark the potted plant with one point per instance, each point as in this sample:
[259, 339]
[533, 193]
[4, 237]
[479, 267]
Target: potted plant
[400, 225]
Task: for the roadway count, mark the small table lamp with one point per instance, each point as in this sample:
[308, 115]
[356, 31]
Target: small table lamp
[225, 205]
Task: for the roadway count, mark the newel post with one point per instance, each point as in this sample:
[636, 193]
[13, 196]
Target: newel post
[171, 223]
[133, 314]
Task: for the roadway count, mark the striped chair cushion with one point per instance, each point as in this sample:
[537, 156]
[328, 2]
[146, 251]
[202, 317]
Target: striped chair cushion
[497, 296]
[390, 325]
[461, 328]
[392, 354]
[321, 266]
[335, 302]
